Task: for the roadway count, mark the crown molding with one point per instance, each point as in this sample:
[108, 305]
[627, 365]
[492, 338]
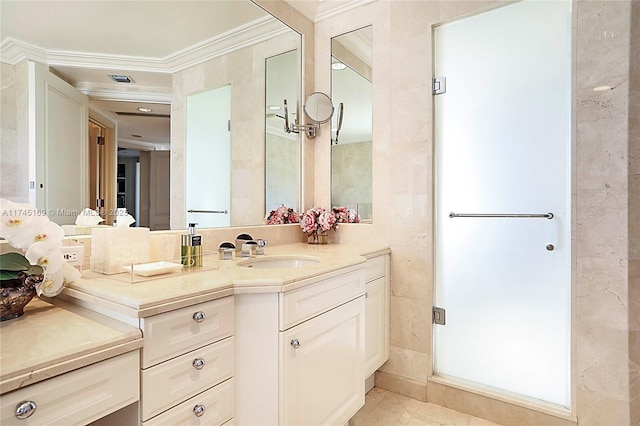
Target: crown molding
[341, 9]
[13, 51]
[111, 92]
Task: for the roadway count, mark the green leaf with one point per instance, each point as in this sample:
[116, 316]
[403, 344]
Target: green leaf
[13, 262]
[35, 270]
[8, 275]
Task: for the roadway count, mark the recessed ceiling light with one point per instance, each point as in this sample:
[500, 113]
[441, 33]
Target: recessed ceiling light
[142, 109]
[119, 78]
[602, 88]
[338, 66]
[136, 136]
[274, 107]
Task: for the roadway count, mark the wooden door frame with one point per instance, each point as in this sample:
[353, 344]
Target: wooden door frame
[110, 162]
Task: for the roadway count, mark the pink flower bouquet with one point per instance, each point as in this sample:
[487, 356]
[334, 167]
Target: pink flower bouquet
[282, 215]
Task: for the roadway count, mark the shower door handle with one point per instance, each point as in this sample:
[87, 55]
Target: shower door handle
[507, 215]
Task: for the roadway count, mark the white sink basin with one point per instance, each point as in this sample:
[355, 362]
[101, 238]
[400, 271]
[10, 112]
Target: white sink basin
[273, 262]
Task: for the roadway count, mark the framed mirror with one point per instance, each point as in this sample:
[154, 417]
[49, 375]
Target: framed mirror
[351, 147]
[318, 107]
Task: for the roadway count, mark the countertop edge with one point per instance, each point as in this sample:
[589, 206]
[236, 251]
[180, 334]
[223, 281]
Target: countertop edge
[76, 361]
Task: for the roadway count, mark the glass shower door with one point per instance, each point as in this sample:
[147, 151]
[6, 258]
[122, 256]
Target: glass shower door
[503, 155]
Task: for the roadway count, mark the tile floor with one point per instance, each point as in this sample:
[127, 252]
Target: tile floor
[384, 408]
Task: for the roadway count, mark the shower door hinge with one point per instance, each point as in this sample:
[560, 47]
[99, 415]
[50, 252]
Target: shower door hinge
[439, 85]
[438, 316]
[228, 125]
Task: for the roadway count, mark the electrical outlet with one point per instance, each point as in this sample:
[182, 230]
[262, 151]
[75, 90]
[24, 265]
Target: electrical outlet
[73, 255]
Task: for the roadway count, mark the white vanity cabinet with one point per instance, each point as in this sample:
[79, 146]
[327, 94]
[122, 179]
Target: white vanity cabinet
[377, 313]
[75, 398]
[300, 353]
[188, 365]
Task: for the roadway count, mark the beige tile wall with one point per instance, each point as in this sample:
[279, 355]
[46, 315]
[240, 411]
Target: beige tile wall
[606, 304]
[244, 71]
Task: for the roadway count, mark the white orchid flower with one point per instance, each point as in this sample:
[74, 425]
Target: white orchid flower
[53, 283]
[41, 230]
[45, 255]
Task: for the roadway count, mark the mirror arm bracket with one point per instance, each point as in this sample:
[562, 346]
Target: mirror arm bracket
[309, 129]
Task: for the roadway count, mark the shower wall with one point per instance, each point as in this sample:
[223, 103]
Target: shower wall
[606, 199]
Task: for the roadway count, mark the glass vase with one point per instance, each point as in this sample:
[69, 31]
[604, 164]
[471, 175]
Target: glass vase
[318, 237]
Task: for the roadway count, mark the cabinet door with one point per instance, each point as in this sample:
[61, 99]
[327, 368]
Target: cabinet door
[322, 380]
[376, 335]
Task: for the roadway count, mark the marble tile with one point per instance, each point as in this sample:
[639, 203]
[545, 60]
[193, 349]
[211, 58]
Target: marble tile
[602, 364]
[410, 321]
[401, 385]
[602, 42]
[601, 223]
[411, 269]
[602, 292]
[613, 103]
[602, 155]
[500, 411]
[406, 363]
[411, 167]
[385, 408]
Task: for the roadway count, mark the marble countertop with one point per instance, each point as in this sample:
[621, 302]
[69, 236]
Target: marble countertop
[49, 340]
[176, 290]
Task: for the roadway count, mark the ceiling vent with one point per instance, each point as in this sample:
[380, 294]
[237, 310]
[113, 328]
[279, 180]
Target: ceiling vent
[119, 78]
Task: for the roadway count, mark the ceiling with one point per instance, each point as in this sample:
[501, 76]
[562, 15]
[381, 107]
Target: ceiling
[86, 41]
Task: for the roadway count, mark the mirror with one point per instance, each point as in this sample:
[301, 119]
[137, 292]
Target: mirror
[245, 35]
[319, 107]
[352, 128]
[282, 148]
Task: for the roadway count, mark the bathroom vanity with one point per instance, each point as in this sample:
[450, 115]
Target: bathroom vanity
[61, 364]
[290, 343]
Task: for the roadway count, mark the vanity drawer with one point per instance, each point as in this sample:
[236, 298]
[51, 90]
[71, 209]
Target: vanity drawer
[175, 380]
[218, 403]
[174, 333]
[78, 397]
[376, 268]
[308, 301]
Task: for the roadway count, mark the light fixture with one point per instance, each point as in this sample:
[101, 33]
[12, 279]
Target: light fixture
[143, 109]
[602, 88]
[274, 107]
[337, 66]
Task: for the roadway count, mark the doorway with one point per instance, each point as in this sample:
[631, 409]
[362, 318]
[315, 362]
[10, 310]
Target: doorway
[102, 163]
[503, 200]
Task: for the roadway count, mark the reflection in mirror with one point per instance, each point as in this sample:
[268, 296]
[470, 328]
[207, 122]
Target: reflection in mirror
[208, 149]
[282, 148]
[351, 89]
[318, 107]
[226, 44]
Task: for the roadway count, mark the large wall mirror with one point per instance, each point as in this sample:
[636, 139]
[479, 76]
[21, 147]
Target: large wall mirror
[172, 53]
[352, 91]
[282, 148]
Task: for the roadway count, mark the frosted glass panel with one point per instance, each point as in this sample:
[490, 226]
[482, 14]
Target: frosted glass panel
[503, 147]
[208, 176]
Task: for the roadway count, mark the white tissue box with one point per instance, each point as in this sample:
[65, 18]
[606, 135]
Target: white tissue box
[112, 248]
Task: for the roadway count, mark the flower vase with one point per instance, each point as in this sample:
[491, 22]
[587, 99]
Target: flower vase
[15, 294]
[318, 237]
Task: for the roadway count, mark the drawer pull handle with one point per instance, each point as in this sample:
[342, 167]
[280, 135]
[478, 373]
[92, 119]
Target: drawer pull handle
[198, 363]
[295, 343]
[199, 316]
[198, 410]
[25, 409]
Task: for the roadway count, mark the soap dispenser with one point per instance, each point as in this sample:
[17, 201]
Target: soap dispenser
[191, 248]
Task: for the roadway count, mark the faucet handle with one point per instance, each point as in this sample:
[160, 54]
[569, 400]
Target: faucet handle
[261, 244]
